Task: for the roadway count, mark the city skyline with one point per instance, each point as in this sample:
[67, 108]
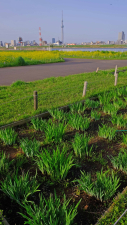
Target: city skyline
[83, 21]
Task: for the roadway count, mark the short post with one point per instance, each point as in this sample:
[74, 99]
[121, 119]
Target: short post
[115, 70]
[116, 78]
[35, 100]
[84, 88]
[97, 69]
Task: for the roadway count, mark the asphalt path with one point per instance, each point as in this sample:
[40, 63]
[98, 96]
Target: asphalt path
[8, 75]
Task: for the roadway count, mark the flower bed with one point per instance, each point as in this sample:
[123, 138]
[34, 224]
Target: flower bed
[73, 161]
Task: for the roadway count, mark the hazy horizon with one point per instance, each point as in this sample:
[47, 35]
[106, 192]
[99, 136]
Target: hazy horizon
[83, 20]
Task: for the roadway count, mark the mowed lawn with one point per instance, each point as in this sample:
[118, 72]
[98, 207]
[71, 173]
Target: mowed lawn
[17, 101]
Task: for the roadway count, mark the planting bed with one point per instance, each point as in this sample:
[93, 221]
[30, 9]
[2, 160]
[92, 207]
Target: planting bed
[80, 154]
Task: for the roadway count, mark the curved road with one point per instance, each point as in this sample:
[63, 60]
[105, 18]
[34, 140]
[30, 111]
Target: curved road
[69, 67]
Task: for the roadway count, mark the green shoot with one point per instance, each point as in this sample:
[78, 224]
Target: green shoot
[8, 136]
[56, 164]
[106, 132]
[80, 145]
[30, 147]
[50, 211]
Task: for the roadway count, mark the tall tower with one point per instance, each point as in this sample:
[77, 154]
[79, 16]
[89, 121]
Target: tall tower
[40, 39]
[62, 27]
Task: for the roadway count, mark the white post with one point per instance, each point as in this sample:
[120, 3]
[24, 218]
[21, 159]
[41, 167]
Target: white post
[115, 70]
[97, 69]
[116, 77]
[84, 88]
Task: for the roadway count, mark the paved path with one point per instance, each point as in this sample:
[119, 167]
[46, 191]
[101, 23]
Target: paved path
[69, 67]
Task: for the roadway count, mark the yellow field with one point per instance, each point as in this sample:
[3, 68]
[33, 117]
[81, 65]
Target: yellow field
[10, 58]
[94, 54]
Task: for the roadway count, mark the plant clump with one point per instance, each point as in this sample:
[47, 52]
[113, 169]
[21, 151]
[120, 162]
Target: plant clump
[103, 188]
[50, 211]
[8, 136]
[56, 163]
[80, 145]
[106, 132]
[30, 147]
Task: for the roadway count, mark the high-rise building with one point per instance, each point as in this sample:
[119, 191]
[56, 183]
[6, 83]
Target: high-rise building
[1, 43]
[13, 42]
[121, 36]
[53, 40]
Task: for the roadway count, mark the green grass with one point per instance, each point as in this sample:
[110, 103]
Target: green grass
[52, 92]
[103, 188]
[50, 211]
[117, 208]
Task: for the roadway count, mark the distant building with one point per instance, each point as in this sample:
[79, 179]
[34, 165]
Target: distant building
[1, 44]
[119, 42]
[20, 39]
[100, 43]
[44, 42]
[23, 43]
[13, 43]
[7, 45]
[111, 42]
[27, 42]
[53, 40]
[121, 36]
[58, 43]
[71, 44]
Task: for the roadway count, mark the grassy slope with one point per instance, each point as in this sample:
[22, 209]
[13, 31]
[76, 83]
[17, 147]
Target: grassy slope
[52, 92]
[116, 210]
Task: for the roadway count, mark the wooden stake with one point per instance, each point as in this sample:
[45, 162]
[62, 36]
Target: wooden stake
[97, 69]
[84, 89]
[115, 70]
[35, 100]
[116, 77]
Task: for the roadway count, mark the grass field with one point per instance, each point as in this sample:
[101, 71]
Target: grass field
[16, 100]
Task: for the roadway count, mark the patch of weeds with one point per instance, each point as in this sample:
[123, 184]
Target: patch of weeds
[50, 208]
[119, 104]
[103, 188]
[95, 115]
[106, 132]
[56, 163]
[120, 162]
[39, 124]
[80, 145]
[4, 163]
[8, 136]
[55, 132]
[104, 98]
[125, 139]
[57, 114]
[18, 83]
[119, 121]
[30, 147]
[78, 122]
[18, 188]
[110, 109]
[21, 61]
[92, 104]
[77, 107]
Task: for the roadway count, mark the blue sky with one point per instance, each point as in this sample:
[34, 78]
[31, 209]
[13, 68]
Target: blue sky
[84, 20]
